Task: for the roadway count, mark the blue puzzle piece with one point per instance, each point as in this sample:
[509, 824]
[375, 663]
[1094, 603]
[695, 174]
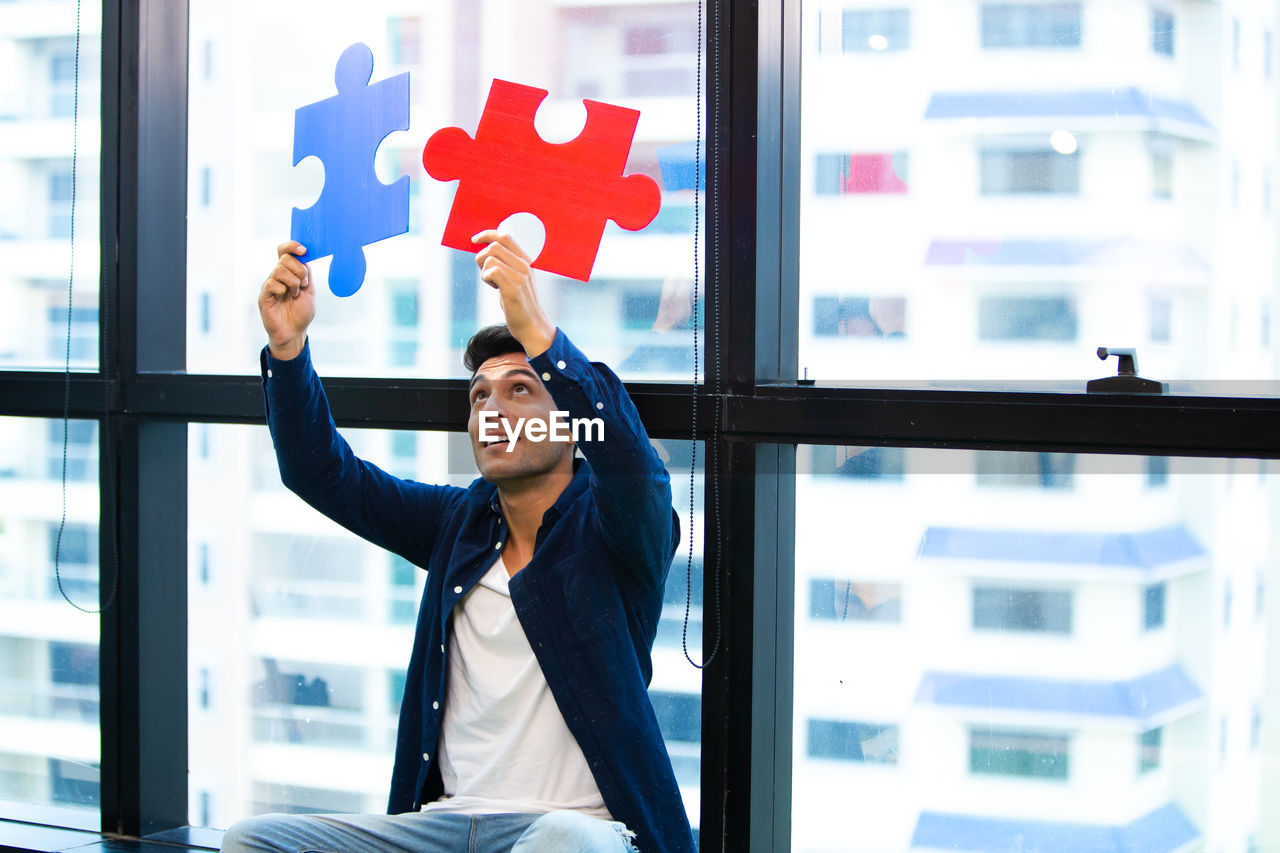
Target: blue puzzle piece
[354, 208]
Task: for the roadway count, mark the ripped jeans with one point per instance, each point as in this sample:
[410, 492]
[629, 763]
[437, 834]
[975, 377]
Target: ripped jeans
[429, 832]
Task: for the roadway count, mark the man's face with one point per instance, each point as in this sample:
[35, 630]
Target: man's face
[507, 386]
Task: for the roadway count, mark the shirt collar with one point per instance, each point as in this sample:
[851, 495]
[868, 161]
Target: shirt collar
[578, 485]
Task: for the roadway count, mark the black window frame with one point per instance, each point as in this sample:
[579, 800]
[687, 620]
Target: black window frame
[751, 412]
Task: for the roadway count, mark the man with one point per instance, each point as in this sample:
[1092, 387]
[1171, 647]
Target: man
[526, 723]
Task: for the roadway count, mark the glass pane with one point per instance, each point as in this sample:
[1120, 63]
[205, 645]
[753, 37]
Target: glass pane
[38, 136]
[991, 190]
[996, 660]
[420, 301]
[49, 736]
[300, 632]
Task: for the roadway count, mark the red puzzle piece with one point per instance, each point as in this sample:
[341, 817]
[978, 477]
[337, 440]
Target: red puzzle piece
[572, 187]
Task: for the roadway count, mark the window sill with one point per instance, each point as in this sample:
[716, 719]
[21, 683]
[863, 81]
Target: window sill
[17, 837]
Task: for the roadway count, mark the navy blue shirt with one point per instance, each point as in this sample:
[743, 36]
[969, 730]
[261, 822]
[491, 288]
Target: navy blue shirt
[588, 600]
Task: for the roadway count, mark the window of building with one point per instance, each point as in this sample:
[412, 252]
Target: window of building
[1157, 471]
[859, 316]
[861, 462]
[59, 227]
[1149, 750]
[1223, 732]
[1017, 469]
[1027, 318]
[1039, 25]
[1227, 601]
[856, 601]
[1268, 53]
[1153, 606]
[1235, 43]
[62, 81]
[1162, 173]
[1006, 171]
[1162, 32]
[1035, 755]
[848, 173]
[1028, 610]
[1255, 729]
[1260, 595]
[1235, 183]
[875, 30]
[842, 740]
[1160, 311]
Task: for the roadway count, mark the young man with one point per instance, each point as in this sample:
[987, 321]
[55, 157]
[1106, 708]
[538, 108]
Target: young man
[526, 723]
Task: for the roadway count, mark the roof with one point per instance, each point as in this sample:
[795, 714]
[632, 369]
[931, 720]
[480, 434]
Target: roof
[1163, 831]
[1121, 102]
[1146, 700]
[1061, 253]
[1146, 550]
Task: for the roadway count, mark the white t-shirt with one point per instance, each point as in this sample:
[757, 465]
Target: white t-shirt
[504, 746]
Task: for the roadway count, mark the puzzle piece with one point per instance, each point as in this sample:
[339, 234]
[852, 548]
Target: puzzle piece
[572, 187]
[344, 131]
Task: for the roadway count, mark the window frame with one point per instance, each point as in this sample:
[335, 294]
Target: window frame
[751, 412]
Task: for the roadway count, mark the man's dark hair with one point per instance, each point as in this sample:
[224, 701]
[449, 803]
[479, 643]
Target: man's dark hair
[487, 343]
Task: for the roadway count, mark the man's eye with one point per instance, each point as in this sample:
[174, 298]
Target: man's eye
[478, 397]
[520, 386]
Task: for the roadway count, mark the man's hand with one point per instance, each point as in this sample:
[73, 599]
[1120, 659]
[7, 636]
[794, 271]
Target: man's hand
[287, 303]
[505, 267]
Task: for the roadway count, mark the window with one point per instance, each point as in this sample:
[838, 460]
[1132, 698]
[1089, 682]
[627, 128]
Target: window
[861, 174]
[1026, 610]
[1041, 25]
[1162, 32]
[424, 300]
[859, 601]
[1227, 601]
[1029, 171]
[1268, 53]
[1032, 755]
[1153, 606]
[315, 626]
[875, 30]
[1149, 744]
[839, 740]
[1255, 729]
[1027, 318]
[49, 652]
[1235, 43]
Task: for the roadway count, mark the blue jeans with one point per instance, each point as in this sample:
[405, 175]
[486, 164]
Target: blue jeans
[429, 832]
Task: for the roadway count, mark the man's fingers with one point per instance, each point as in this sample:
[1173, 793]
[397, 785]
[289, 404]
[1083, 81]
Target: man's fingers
[274, 289]
[290, 248]
[293, 265]
[495, 271]
[494, 238]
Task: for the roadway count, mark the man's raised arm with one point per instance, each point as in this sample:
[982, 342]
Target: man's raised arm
[632, 488]
[316, 463]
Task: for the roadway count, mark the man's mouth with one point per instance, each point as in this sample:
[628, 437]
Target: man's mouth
[497, 442]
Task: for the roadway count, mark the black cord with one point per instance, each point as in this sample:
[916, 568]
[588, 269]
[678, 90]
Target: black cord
[66, 396]
[709, 477]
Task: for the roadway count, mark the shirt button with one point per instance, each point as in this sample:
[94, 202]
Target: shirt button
[442, 647]
[599, 405]
[435, 706]
[457, 590]
[546, 377]
[426, 757]
[497, 546]
[268, 374]
[560, 364]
